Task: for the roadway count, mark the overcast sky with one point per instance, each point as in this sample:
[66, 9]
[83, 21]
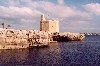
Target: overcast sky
[73, 15]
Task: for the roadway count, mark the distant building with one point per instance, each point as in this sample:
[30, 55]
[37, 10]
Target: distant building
[49, 25]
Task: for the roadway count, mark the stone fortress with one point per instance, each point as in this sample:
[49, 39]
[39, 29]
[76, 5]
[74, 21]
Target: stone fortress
[49, 25]
[49, 32]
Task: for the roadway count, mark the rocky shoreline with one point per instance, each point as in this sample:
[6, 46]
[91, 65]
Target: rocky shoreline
[16, 39]
[67, 36]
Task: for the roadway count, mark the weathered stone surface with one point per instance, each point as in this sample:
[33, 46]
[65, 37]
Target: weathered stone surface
[10, 38]
[49, 25]
[62, 37]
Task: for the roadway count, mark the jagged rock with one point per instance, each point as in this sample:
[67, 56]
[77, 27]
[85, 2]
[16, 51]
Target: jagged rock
[62, 37]
[18, 38]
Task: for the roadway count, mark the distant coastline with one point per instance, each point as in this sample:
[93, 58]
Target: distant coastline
[91, 34]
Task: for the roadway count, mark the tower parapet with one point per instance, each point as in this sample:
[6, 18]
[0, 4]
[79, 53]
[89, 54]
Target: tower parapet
[42, 17]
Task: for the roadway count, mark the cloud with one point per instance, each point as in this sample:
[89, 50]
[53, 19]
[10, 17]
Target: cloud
[26, 14]
[32, 8]
[17, 12]
[93, 8]
[59, 10]
[18, 17]
[60, 1]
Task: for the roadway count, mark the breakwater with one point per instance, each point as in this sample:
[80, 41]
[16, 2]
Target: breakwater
[15, 39]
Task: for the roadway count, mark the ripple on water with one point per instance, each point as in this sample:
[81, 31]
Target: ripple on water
[86, 53]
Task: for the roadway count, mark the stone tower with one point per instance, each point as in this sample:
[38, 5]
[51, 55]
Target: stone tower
[49, 25]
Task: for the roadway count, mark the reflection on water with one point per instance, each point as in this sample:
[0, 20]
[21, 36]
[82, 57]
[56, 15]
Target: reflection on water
[86, 53]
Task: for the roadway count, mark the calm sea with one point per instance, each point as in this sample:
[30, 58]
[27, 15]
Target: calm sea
[84, 53]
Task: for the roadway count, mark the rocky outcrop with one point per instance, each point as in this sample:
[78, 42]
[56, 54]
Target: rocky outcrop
[63, 37]
[12, 39]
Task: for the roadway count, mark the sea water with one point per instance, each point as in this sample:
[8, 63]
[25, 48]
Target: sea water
[75, 53]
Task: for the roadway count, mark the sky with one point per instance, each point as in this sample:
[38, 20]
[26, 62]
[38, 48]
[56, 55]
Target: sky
[73, 15]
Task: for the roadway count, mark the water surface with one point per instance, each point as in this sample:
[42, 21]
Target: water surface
[84, 53]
